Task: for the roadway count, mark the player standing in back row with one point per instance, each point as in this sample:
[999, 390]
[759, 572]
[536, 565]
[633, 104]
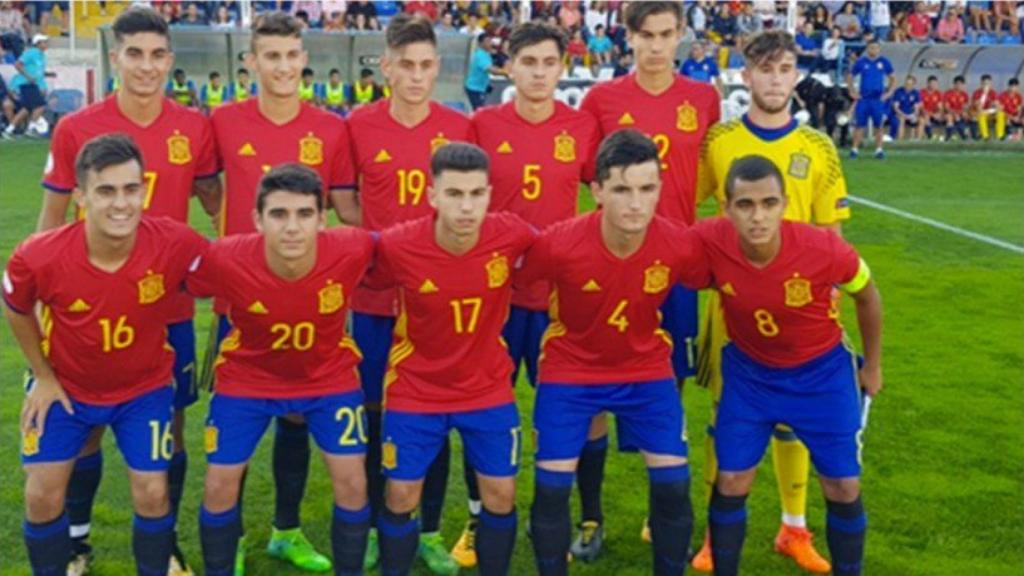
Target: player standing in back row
[392, 143]
[180, 161]
[253, 136]
[675, 113]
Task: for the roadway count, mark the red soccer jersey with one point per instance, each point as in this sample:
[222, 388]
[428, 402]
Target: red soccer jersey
[249, 144]
[984, 100]
[105, 333]
[177, 149]
[288, 338]
[536, 170]
[448, 355]
[931, 100]
[780, 315]
[1011, 102]
[605, 319]
[392, 163]
[677, 120]
[955, 100]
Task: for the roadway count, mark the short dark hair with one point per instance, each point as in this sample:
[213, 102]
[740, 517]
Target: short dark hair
[138, 19]
[214, 74]
[768, 45]
[307, 72]
[293, 178]
[334, 71]
[532, 33]
[404, 29]
[275, 24]
[365, 73]
[933, 77]
[958, 79]
[910, 77]
[103, 152]
[242, 71]
[179, 71]
[459, 157]
[986, 77]
[752, 168]
[637, 12]
[1013, 82]
[622, 149]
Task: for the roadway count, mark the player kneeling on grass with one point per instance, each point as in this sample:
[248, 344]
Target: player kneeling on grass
[100, 358]
[448, 366]
[605, 350]
[788, 362]
[288, 353]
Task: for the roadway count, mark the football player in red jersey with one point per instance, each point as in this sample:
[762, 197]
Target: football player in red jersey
[252, 137]
[100, 357]
[392, 142]
[448, 367]
[605, 350]
[540, 151]
[177, 145]
[676, 113]
[954, 102]
[787, 362]
[985, 110]
[931, 106]
[288, 353]
[1010, 103]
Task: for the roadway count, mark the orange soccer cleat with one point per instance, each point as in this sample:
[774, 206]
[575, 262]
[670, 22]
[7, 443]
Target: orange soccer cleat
[796, 543]
[702, 561]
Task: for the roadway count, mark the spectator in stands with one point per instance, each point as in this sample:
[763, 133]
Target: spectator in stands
[950, 29]
[472, 26]
[368, 11]
[1007, 17]
[906, 110]
[213, 94]
[881, 19]
[569, 16]
[29, 86]
[600, 47]
[723, 25]
[981, 16]
[359, 22]
[747, 24]
[849, 23]
[624, 63]
[500, 55]
[822, 20]
[233, 6]
[334, 21]
[697, 15]
[14, 29]
[193, 16]
[700, 66]
[576, 51]
[1010, 105]
[481, 66]
[831, 49]
[598, 14]
[181, 89]
[689, 34]
[313, 12]
[426, 9]
[223, 20]
[169, 12]
[808, 49]
[446, 24]
[919, 24]
[766, 10]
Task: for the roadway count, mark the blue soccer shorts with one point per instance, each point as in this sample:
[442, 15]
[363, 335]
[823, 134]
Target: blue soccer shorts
[522, 333]
[820, 400]
[373, 336]
[679, 318]
[869, 109]
[491, 437]
[235, 425]
[142, 427]
[649, 416]
[182, 337]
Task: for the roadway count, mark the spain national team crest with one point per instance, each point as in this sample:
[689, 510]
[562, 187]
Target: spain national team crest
[565, 147]
[30, 443]
[389, 455]
[798, 291]
[151, 288]
[799, 165]
[497, 271]
[311, 150]
[686, 118]
[211, 437]
[437, 141]
[331, 298]
[178, 149]
[656, 278]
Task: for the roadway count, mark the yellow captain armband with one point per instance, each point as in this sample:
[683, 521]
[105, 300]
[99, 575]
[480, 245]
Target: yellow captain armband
[859, 280]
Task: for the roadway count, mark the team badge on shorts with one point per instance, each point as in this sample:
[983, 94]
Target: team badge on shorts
[565, 147]
[656, 278]
[332, 297]
[497, 271]
[799, 165]
[686, 118]
[437, 141]
[311, 150]
[178, 150]
[798, 291]
[30, 443]
[151, 288]
[389, 455]
[210, 437]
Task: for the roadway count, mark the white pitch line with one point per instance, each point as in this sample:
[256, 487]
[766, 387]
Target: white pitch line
[940, 225]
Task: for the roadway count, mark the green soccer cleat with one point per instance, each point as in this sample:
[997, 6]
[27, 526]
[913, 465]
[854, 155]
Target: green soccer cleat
[291, 545]
[240, 557]
[435, 555]
[372, 555]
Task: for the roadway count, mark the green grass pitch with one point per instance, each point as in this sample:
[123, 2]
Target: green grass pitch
[943, 458]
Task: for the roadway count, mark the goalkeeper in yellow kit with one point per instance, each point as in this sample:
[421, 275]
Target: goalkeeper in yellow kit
[816, 189]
